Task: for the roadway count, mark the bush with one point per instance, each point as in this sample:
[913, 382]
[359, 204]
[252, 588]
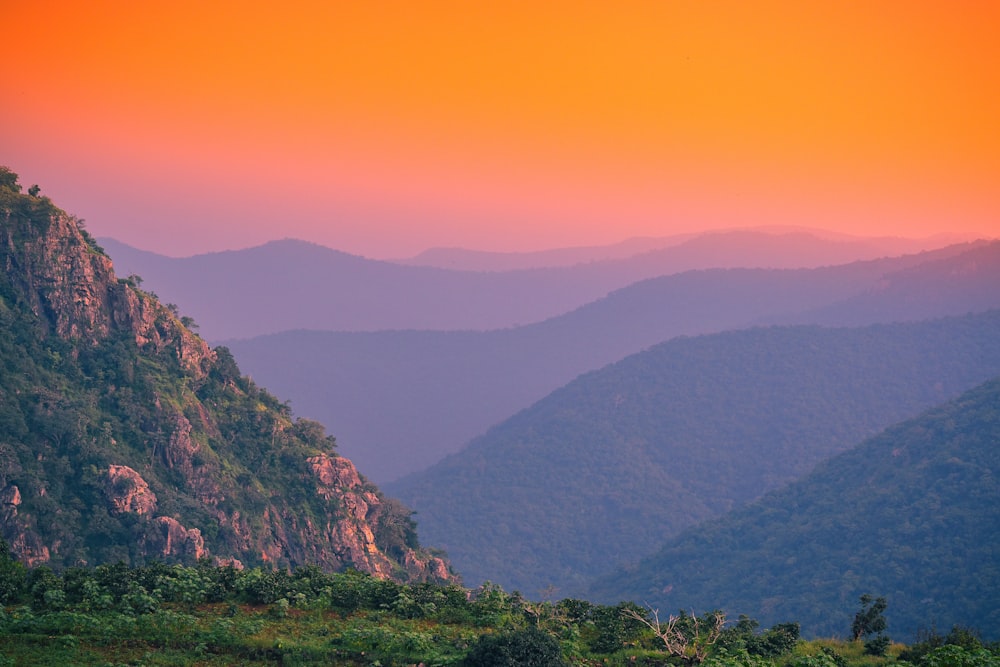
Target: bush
[777, 641]
[773, 643]
[877, 645]
[520, 648]
[737, 658]
[614, 628]
[12, 576]
[951, 655]
[46, 589]
[818, 660]
[928, 641]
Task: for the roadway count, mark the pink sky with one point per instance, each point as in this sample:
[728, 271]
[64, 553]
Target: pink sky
[389, 127]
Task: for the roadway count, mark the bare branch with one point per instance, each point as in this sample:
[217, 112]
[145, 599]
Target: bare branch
[692, 645]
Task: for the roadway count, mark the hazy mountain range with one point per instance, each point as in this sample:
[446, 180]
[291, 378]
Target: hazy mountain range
[292, 284]
[605, 469]
[912, 514]
[400, 400]
[662, 476]
[811, 247]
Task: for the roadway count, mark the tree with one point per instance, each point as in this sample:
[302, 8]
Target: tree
[8, 179]
[870, 620]
[615, 626]
[684, 636]
[12, 576]
[777, 641]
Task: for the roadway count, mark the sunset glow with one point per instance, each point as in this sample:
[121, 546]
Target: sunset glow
[383, 128]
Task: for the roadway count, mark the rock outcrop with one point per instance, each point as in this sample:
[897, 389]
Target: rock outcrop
[25, 542]
[124, 436]
[175, 541]
[127, 491]
[70, 286]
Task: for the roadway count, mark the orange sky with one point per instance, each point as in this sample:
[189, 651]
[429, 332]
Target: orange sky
[383, 128]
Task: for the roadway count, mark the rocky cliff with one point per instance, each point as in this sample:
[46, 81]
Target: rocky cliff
[123, 436]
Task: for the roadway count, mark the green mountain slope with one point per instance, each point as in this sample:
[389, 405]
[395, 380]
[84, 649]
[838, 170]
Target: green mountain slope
[604, 470]
[912, 514]
[123, 436]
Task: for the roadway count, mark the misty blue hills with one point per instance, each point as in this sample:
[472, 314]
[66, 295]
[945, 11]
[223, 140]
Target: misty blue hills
[721, 248]
[912, 513]
[292, 284]
[401, 400]
[606, 469]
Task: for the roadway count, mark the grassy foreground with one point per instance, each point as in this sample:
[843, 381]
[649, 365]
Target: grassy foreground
[166, 615]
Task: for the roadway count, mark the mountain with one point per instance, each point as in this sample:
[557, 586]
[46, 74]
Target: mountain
[968, 282]
[123, 436]
[289, 284]
[401, 400]
[604, 470]
[732, 248]
[463, 259]
[912, 514]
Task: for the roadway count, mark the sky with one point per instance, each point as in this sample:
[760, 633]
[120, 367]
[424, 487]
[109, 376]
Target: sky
[383, 128]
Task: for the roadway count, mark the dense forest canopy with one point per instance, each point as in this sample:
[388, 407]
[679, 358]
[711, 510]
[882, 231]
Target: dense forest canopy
[606, 469]
[913, 512]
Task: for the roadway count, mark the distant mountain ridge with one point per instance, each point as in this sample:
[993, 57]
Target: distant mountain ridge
[400, 400]
[912, 514]
[851, 248]
[607, 468]
[286, 285]
[967, 282]
[123, 436]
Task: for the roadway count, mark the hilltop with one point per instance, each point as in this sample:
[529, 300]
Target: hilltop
[124, 436]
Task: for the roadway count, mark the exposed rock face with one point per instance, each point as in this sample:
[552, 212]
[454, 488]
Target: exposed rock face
[30, 548]
[127, 491]
[426, 569]
[26, 542]
[344, 536]
[71, 287]
[180, 447]
[11, 496]
[178, 541]
[113, 383]
[353, 539]
[333, 473]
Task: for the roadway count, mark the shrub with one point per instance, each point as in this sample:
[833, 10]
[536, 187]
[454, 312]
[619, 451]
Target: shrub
[519, 648]
[12, 576]
[951, 655]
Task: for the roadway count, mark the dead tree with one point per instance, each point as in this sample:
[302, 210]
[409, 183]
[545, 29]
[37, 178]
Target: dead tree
[687, 637]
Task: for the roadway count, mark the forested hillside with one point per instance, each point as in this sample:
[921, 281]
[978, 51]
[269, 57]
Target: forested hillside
[967, 282]
[912, 514]
[604, 470]
[123, 436]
